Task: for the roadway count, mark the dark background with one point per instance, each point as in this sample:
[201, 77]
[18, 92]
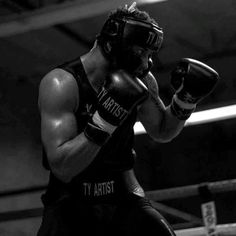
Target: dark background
[36, 35]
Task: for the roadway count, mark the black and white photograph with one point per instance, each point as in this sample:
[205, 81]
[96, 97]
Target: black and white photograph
[117, 117]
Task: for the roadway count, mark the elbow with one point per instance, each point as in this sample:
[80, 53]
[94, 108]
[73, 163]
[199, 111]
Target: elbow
[162, 136]
[167, 139]
[61, 175]
[162, 139]
[59, 170]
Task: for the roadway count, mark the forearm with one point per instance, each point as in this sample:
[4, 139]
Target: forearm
[161, 125]
[171, 125]
[159, 121]
[72, 157]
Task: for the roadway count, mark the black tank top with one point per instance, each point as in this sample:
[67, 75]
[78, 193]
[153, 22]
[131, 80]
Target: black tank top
[113, 158]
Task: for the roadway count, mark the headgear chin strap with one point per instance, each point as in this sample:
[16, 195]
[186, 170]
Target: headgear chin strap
[126, 31]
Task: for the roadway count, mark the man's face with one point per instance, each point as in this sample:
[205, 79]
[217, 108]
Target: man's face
[136, 60]
[145, 57]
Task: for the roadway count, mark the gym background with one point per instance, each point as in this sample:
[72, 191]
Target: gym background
[36, 35]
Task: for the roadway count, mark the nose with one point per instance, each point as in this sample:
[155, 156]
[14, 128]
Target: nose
[150, 63]
[147, 64]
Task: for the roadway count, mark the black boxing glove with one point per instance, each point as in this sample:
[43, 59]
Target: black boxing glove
[119, 95]
[192, 80]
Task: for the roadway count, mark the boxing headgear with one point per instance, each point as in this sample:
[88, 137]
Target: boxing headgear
[123, 32]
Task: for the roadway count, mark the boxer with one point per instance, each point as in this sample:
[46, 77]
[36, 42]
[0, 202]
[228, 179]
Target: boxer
[88, 107]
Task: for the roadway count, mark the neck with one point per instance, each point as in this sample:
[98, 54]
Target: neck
[96, 67]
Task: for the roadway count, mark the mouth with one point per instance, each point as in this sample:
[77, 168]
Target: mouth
[135, 73]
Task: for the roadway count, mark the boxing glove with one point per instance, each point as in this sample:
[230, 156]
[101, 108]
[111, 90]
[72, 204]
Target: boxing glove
[192, 81]
[117, 98]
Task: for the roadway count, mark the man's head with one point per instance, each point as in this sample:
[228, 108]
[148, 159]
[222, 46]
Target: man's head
[128, 39]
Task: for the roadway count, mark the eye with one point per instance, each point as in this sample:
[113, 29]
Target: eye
[139, 51]
[142, 52]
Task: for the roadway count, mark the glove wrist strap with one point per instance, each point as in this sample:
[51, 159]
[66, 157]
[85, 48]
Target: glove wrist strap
[184, 104]
[180, 109]
[101, 123]
[96, 134]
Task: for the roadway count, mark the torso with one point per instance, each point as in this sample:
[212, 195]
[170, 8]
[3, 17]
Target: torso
[102, 179]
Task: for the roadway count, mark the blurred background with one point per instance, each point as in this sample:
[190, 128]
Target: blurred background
[37, 35]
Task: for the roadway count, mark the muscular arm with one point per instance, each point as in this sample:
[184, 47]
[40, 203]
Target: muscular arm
[156, 118]
[68, 152]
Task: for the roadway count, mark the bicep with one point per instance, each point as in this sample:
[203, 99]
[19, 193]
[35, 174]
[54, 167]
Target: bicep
[56, 130]
[58, 99]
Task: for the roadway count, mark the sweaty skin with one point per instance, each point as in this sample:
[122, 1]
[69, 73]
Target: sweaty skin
[70, 152]
[58, 101]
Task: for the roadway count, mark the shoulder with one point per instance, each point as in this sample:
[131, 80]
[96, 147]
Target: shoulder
[58, 88]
